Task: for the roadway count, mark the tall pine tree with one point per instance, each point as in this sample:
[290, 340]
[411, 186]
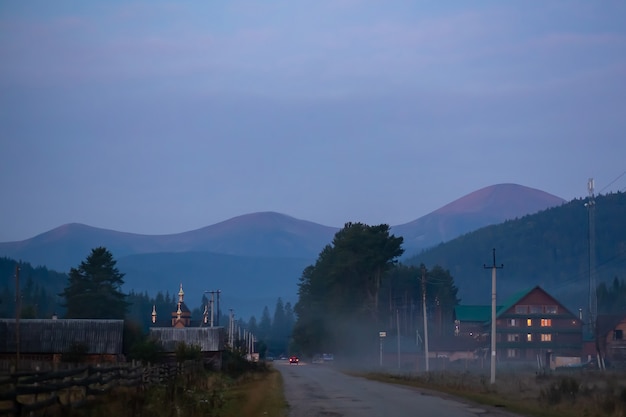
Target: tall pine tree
[94, 288]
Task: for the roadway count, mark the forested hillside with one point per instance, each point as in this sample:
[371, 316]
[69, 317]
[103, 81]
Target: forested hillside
[550, 248]
[39, 288]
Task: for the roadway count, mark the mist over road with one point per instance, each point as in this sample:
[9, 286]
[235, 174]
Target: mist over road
[319, 390]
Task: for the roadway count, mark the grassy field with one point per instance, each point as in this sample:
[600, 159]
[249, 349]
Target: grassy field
[557, 394]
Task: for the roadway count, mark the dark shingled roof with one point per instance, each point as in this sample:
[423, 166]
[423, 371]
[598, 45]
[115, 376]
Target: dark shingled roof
[58, 336]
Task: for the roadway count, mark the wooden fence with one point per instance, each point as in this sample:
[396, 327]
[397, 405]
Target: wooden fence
[22, 393]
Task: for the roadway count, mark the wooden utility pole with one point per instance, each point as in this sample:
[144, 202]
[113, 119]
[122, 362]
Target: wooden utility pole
[493, 315]
[425, 318]
[18, 312]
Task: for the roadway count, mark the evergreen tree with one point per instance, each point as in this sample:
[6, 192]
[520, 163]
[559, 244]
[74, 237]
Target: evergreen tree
[265, 325]
[339, 297]
[278, 337]
[94, 288]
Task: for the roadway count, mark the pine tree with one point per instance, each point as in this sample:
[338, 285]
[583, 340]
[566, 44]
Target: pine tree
[94, 288]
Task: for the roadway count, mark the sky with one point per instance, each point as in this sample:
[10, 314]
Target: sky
[159, 117]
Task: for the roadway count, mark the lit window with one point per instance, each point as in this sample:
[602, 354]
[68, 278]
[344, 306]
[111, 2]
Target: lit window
[546, 322]
[546, 337]
[512, 322]
[529, 337]
[529, 322]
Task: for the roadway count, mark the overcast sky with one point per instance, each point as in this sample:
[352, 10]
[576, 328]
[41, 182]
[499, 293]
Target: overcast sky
[160, 117]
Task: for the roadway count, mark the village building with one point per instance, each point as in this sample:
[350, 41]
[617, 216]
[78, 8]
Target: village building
[180, 328]
[531, 326]
[611, 341]
[49, 341]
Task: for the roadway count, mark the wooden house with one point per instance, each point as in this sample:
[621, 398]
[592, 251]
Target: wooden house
[534, 326]
[52, 340]
[471, 321]
[611, 340]
[531, 326]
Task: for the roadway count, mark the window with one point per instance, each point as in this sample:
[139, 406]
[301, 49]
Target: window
[521, 309]
[512, 338]
[512, 353]
[546, 322]
[536, 309]
[551, 309]
[529, 337]
[546, 337]
[529, 322]
[512, 322]
[618, 334]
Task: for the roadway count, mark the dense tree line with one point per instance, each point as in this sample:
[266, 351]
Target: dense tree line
[347, 296]
[38, 288]
[273, 332]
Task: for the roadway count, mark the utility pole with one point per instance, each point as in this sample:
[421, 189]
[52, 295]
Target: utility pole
[493, 315]
[425, 318]
[18, 312]
[218, 308]
[593, 301]
[231, 329]
[398, 334]
[212, 303]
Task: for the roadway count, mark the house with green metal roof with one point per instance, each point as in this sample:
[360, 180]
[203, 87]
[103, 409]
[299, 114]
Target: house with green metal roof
[531, 326]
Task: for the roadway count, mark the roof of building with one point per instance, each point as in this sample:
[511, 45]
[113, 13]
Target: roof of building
[482, 313]
[520, 295]
[472, 313]
[60, 335]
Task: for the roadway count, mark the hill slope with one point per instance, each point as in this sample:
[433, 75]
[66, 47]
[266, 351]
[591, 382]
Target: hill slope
[550, 248]
[489, 205]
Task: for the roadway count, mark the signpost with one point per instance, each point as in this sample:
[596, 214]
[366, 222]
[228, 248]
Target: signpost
[381, 336]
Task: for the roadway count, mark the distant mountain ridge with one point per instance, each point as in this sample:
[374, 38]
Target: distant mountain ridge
[484, 207]
[280, 245]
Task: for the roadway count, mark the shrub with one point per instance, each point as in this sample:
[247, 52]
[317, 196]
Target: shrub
[185, 352]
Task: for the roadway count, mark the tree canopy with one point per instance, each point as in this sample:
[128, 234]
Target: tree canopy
[341, 291]
[94, 288]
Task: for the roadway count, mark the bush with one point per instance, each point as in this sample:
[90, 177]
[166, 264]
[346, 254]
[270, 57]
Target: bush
[146, 351]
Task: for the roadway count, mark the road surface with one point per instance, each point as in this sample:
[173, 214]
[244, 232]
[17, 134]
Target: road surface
[319, 390]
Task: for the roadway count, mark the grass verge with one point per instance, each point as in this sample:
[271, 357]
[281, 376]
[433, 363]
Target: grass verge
[544, 396]
[256, 395]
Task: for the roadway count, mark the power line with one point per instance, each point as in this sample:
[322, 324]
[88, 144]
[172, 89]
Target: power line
[611, 183]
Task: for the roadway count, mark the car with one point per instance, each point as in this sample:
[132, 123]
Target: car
[294, 359]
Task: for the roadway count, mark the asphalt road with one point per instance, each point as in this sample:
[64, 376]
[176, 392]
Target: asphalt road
[319, 390]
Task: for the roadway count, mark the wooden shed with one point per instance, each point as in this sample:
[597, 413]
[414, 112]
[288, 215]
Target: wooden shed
[48, 340]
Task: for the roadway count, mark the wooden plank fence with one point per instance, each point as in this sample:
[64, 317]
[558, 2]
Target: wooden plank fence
[22, 393]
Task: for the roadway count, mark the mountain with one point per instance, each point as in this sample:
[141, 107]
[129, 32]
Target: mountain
[257, 257]
[489, 205]
[549, 248]
[266, 234]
